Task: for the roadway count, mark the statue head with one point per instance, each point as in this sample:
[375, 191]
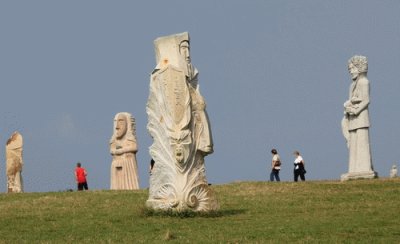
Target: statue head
[184, 51]
[124, 127]
[174, 50]
[15, 141]
[121, 126]
[357, 65]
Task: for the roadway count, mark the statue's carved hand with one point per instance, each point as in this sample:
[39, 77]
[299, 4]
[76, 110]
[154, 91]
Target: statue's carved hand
[350, 110]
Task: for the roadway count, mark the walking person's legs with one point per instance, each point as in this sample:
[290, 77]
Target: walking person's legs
[277, 175]
[274, 174]
[296, 175]
[85, 185]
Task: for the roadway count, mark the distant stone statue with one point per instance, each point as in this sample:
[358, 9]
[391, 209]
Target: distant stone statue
[123, 148]
[14, 163]
[355, 124]
[393, 171]
[179, 125]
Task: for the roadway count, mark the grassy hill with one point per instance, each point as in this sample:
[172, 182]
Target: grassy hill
[365, 211]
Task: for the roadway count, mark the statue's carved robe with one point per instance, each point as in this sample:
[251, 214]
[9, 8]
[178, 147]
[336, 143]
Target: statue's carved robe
[124, 170]
[15, 163]
[355, 128]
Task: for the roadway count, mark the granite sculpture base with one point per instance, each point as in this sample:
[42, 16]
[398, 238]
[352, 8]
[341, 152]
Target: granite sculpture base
[359, 175]
[204, 200]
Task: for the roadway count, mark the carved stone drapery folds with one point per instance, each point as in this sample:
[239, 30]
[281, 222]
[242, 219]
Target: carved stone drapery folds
[14, 162]
[179, 126]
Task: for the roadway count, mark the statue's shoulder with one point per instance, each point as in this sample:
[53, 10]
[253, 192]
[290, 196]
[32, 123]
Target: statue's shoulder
[161, 69]
[363, 81]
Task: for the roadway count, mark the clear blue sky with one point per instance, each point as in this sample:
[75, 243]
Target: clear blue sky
[273, 73]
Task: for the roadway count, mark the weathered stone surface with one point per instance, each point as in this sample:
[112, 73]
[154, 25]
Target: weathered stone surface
[14, 148]
[355, 124]
[179, 125]
[393, 171]
[123, 148]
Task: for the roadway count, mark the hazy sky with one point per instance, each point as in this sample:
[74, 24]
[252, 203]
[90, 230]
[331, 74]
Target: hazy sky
[273, 73]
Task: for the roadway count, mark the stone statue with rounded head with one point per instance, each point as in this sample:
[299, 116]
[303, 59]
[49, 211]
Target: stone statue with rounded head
[179, 126]
[14, 148]
[123, 148]
[355, 124]
[393, 171]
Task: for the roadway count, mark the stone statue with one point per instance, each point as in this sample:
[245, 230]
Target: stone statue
[123, 148]
[355, 124]
[14, 163]
[179, 126]
[393, 171]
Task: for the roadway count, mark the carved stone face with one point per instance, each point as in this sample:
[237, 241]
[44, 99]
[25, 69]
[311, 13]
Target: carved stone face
[179, 154]
[121, 126]
[353, 71]
[184, 50]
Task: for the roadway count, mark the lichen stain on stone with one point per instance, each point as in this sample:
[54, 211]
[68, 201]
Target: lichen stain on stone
[12, 138]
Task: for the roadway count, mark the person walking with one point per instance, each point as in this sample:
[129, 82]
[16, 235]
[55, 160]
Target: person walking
[299, 169]
[80, 176]
[275, 165]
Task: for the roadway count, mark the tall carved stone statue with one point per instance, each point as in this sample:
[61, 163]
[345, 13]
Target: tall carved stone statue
[14, 163]
[179, 126]
[123, 148]
[355, 124]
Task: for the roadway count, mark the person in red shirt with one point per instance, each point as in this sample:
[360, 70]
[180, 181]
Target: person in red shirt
[80, 175]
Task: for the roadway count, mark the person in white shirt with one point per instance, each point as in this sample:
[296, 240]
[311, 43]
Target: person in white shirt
[299, 169]
[276, 166]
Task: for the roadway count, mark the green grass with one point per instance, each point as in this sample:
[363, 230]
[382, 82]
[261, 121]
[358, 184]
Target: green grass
[365, 211]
